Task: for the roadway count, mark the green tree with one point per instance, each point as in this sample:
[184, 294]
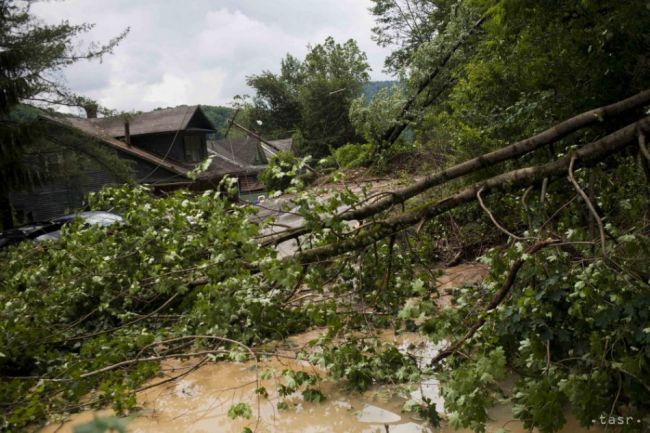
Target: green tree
[539, 62]
[30, 53]
[406, 25]
[574, 327]
[335, 75]
[277, 104]
[495, 69]
[312, 96]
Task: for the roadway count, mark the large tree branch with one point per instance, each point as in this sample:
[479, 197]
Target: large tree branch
[512, 151]
[393, 133]
[592, 152]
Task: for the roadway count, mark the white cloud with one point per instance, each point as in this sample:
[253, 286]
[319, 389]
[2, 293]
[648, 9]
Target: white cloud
[200, 51]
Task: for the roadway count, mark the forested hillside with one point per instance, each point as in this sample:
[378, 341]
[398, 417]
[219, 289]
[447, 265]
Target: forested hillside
[219, 116]
[516, 137]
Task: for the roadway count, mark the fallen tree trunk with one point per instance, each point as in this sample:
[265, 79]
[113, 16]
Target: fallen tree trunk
[592, 152]
[512, 151]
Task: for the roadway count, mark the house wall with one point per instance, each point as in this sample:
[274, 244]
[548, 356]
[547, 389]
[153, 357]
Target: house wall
[164, 145]
[198, 121]
[169, 145]
[53, 199]
[145, 172]
[57, 197]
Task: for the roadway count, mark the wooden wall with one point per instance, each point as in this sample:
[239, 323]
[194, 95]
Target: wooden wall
[168, 144]
[64, 195]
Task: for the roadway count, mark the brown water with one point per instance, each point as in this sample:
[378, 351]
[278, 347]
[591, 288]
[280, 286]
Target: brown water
[199, 402]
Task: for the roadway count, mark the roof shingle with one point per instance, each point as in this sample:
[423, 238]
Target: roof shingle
[87, 128]
[244, 151]
[166, 120]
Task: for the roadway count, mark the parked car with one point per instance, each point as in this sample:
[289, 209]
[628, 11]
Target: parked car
[51, 230]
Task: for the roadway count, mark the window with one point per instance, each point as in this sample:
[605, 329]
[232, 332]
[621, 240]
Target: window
[193, 148]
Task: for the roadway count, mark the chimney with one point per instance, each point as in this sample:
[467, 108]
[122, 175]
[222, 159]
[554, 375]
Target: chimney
[91, 110]
[127, 133]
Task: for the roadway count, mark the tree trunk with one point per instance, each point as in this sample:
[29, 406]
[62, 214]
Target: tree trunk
[592, 152]
[512, 151]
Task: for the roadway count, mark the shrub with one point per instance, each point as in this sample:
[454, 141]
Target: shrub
[285, 171]
[353, 155]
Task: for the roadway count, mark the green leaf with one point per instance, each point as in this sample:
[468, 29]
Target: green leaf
[313, 395]
[240, 410]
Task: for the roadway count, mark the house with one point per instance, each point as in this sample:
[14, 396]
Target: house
[162, 147]
[272, 147]
[178, 134]
[251, 154]
[250, 159]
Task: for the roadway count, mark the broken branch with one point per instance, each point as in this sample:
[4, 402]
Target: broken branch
[589, 204]
[512, 151]
[494, 221]
[520, 177]
[494, 303]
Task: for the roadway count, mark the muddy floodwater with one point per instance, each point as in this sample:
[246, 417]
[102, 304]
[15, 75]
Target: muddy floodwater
[199, 402]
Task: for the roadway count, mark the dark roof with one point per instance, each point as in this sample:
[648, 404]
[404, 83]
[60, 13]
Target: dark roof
[87, 128]
[285, 144]
[243, 151]
[221, 167]
[166, 120]
[247, 151]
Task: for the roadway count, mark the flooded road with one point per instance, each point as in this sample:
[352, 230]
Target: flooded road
[199, 402]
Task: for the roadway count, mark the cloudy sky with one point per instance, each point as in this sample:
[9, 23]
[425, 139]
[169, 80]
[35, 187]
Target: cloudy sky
[200, 51]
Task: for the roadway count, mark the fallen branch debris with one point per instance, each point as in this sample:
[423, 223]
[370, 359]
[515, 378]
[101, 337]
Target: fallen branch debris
[494, 303]
[590, 153]
[510, 152]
